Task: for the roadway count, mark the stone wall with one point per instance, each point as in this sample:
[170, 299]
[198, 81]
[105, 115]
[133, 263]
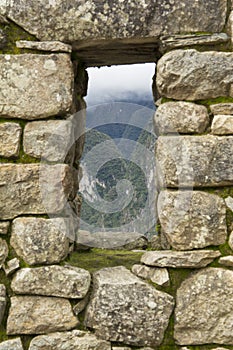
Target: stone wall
[179, 294]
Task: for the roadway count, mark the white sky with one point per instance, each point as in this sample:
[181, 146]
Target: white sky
[107, 80]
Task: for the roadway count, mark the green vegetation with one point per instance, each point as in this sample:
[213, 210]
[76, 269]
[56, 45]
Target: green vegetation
[221, 99]
[111, 173]
[96, 259]
[15, 33]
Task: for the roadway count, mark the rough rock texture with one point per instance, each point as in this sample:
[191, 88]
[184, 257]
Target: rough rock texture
[222, 125]
[2, 301]
[75, 340]
[204, 308]
[81, 305]
[112, 240]
[50, 140]
[222, 108]
[226, 260]
[3, 37]
[121, 303]
[3, 251]
[170, 258]
[9, 139]
[52, 46]
[4, 227]
[199, 161]
[40, 241]
[11, 266]
[230, 26]
[231, 240]
[184, 40]
[3, 19]
[32, 189]
[14, 344]
[181, 117]
[38, 90]
[192, 219]
[192, 75]
[159, 276]
[229, 203]
[60, 281]
[155, 242]
[94, 20]
[38, 315]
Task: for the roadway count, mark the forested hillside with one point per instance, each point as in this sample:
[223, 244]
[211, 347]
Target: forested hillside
[103, 183]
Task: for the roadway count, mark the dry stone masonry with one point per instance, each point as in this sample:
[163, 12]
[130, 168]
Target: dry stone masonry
[178, 294]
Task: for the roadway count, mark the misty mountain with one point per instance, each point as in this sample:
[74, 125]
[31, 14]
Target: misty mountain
[116, 170]
[142, 98]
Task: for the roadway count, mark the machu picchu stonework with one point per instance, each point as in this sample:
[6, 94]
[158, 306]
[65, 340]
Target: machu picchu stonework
[63, 287]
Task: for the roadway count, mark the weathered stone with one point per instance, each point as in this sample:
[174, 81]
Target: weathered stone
[81, 305]
[59, 281]
[159, 276]
[204, 308]
[3, 19]
[229, 203]
[38, 315]
[192, 75]
[11, 266]
[52, 46]
[75, 340]
[226, 260]
[188, 259]
[38, 90]
[10, 139]
[222, 109]
[4, 227]
[184, 40]
[34, 189]
[50, 140]
[200, 161]
[3, 251]
[94, 20]
[14, 344]
[2, 301]
[155, 242]
[192, 219]
[3, 38]
[222, 125]
[112, 240]
[230, 26]
[40, 241]
[231, 240]
[181, 117]
[121, 303]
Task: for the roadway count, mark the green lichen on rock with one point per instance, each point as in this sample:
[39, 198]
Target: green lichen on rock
[96, 259]
[15, 33]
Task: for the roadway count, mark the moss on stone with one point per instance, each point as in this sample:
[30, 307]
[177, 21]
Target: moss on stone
[15, 33]
[96, 259]
[220, 99]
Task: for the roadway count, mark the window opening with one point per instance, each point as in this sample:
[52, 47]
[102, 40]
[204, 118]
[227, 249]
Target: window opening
[117, 186]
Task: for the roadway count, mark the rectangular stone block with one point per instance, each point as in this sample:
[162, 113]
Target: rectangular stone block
[192, 75]
[222, 125]
[50, 139]
[192, 219]
[200, 161]
[38, 315]
[31, 189]
[95, 20]
[9, 139]
[35, 86]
